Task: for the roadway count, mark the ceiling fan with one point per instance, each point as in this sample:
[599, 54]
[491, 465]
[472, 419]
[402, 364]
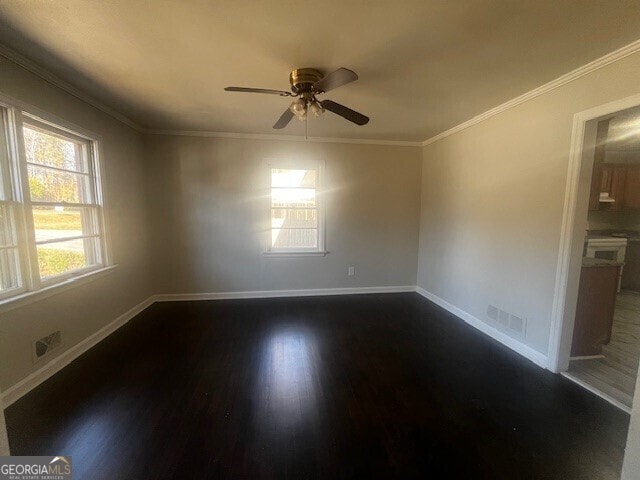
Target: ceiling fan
[306, 83]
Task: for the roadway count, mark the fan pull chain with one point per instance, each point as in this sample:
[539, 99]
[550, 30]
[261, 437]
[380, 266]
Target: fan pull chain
[306, 127]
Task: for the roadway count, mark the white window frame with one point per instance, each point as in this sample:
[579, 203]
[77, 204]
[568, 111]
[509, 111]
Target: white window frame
[296, 164]
[11, 187]
[31, 284]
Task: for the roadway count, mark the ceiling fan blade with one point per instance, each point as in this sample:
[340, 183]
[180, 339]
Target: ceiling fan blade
[282, 93]
[351, 115]
[336, 79]
[284, 119]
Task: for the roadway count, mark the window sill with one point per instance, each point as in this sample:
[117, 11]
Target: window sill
[295, 254]
[26, 298]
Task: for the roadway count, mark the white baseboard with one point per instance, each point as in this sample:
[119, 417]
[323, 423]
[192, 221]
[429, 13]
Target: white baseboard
[180, 297]
[519, 347]
[65, 358]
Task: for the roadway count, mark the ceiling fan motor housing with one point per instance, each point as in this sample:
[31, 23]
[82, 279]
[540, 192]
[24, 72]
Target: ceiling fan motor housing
[306, 83]
[302, 79]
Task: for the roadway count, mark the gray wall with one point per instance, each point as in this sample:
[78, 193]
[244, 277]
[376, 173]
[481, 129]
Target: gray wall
[209, 207]
[492, 202]
[81, 311]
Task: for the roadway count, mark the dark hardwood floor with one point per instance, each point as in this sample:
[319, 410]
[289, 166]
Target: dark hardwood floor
[365, 386]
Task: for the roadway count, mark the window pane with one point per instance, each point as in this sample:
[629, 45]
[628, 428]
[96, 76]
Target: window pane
[294, 238]
[294, 214]
[293, 178]
[53, 186]
[293, 197]
[51, 150]
[61, 257]
[289, 218]
[5, 184]
[7, 231]
[60, 222]
[9, 278]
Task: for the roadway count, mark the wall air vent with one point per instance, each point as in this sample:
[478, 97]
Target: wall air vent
[503, 318]
[492, 312]
[513, 325]
[516, 324]
[44, 346]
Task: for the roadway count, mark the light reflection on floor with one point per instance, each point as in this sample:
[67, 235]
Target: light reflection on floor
[285, 383]
[88, 442]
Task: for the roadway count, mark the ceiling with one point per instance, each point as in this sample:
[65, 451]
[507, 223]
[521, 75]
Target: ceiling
[424, 65]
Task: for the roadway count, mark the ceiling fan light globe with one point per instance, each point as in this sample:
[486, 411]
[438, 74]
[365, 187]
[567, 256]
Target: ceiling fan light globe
[316, 109]
[298, 107]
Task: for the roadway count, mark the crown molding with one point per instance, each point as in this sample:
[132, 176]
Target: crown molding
[56, 81]
[288, 138]
[590, 67]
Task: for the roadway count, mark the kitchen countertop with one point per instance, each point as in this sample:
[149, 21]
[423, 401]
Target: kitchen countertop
[631, 235]
[599, 262]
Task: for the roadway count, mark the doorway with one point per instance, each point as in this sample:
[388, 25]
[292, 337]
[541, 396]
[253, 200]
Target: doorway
[595, 337]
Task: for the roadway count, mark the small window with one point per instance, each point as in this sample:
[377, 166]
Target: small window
[296, 219]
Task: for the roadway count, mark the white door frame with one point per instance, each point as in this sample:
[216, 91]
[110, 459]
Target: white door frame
[563, 310]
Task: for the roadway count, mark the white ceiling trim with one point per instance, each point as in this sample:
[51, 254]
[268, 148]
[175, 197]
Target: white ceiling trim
[591, 67]
[288, 138]
[36, 69]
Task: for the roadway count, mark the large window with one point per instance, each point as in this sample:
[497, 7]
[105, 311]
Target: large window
[51, 218]
[296, 216]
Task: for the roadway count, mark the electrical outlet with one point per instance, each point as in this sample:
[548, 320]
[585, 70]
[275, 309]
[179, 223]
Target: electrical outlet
[351, 271]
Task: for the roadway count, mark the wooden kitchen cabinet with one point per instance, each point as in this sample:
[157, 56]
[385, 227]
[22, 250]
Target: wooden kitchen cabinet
[599, 178]
[621, 183]
[596, 304]
[616, 185]
[632, 187]
[631, 271]
[606, 178]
